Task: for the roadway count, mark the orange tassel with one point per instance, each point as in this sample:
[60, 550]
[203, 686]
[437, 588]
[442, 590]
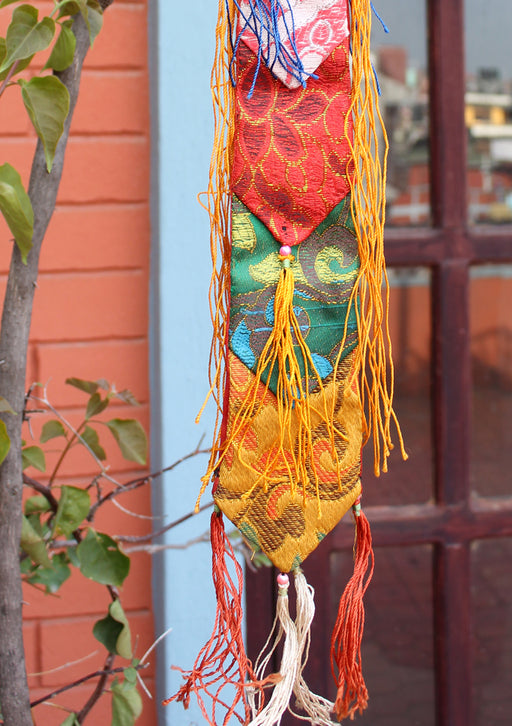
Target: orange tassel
[222, 661]
[346, 639]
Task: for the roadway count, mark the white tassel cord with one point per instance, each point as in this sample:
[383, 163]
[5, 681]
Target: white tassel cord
[272, 713]
[319, 709]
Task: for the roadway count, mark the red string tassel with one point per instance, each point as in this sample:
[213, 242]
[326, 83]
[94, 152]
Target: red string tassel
[347, 635]
[223, 660]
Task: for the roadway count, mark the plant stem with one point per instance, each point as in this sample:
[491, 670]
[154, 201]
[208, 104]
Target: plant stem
[12, 71]
[14, 334]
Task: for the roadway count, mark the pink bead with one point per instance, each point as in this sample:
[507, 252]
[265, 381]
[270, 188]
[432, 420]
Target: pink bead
[285, 251]
[283, 580]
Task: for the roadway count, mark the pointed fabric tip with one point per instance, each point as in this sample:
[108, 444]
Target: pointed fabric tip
[352, 694]
[222, 661]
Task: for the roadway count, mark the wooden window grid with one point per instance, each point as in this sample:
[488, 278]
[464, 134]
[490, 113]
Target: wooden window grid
[455, 518]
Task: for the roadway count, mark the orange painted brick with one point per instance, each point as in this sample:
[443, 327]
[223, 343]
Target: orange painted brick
[18, 152]
[105, 169]
[80, 596]
[13, 117]
[51, 714]
[112, 102]
[79, 461]
[31, 646]
[111, 49]
[81, 306]
[112, 519]
[124, 363]
[94, 237]
[65, 641]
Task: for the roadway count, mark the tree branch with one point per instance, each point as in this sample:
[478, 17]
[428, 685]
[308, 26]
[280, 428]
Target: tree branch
[96, 694]
[14, 334]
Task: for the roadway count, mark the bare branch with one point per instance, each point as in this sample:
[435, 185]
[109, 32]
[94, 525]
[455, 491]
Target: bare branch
[42, 489]
[152, 535]
[142, 481]
[98, 691]
[152, 549]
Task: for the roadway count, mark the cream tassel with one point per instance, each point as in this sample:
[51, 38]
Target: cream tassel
[272, 713]
[319, 709]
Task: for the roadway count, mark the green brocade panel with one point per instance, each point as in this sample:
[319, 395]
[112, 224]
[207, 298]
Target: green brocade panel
[325, 269]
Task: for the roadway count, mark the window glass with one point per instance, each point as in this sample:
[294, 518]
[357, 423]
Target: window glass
[397, 652]
[492, 609]
[400, 58]
[491, 357]
[409, 482]
[489, 110]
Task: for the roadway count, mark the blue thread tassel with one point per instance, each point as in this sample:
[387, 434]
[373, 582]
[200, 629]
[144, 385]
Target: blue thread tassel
[263, 20]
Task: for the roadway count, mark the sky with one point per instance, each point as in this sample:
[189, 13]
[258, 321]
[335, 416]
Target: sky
[488, 32]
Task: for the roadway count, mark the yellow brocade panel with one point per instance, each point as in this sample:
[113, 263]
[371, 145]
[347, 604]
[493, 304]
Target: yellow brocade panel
[287, 525]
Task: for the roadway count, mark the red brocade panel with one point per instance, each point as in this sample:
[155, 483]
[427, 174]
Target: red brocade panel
[291, 150]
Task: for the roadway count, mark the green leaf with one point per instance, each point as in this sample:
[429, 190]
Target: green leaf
[4, 3]
[52, 430]
[25, 36]
[63, 51]
[32, 543]
[37, 504]
[71, 720]
[130, 674]
[33, 456]
[74, 505]
[95, 405]
[70, 8]
[73, 557]
[114, 631]
[131, 439]
[126, 704]
[47, 102]
[91, 12]
[16, 207]
[20, 65]
[54, 576]
[94, 20]
[128, 397]
[89, 387]
[91, 438]
[101, 559]
[5, 406]
[5, 441]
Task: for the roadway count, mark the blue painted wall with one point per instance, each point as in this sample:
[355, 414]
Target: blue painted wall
[182, 47]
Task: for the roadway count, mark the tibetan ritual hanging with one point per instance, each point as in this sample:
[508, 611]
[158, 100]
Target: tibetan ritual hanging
[300, 367]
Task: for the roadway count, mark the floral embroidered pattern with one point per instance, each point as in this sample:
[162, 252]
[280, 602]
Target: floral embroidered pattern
[291, 154]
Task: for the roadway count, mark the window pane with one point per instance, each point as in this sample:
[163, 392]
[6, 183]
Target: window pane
[408, 482]
[492, 607]
[401, 65]
[491, 354]
[489, 110]
[398, 662]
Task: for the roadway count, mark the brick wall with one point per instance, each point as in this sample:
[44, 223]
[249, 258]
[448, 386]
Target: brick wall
[91, 320]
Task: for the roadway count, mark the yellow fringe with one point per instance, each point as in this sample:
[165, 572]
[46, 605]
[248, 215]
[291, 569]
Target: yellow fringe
[374, 365]
[373, 362]
[218, 206]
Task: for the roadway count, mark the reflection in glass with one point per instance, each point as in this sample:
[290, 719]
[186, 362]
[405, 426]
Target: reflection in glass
[398, 640]
[491, 355]
[489, 110]
[492, 610]
[401, 66]
[410, 323]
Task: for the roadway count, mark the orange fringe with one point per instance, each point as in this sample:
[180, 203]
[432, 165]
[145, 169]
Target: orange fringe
[352, 694]
[222, 662]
